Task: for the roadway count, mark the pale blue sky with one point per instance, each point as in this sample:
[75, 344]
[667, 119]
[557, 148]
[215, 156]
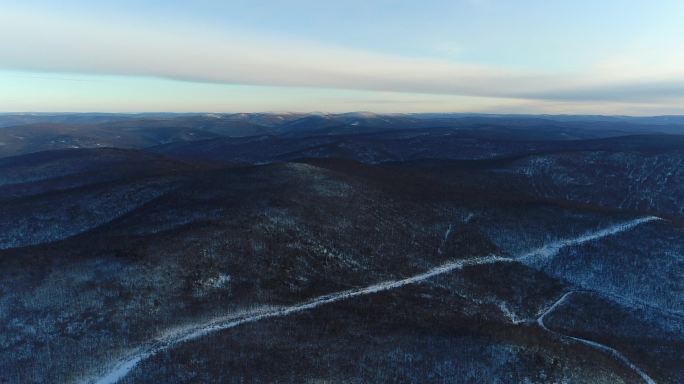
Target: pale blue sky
[612, 57]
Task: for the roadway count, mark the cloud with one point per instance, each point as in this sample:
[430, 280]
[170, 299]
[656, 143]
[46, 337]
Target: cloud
[637, 91]
[53, 43]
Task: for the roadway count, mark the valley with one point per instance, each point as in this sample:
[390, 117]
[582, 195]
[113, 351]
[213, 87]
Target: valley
[347, 248]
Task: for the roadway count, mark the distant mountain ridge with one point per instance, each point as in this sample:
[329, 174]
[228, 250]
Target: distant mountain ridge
[25, 133]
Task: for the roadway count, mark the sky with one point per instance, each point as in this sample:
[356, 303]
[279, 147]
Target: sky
[489, 56]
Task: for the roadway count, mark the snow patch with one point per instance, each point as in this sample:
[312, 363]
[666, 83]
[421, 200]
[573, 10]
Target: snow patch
[218, 281]
[510, 315]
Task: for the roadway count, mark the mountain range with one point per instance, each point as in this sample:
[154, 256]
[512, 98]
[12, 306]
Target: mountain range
[341, 248]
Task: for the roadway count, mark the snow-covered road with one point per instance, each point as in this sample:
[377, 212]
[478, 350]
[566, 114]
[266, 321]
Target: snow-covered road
[550, 250]
[613, 352]
[126, 364]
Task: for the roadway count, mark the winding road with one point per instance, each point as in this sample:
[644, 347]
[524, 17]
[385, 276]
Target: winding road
[612, 351]
[123, 366]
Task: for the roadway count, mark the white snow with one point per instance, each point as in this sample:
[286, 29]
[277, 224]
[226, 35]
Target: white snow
[126, 364]
[556, 304]
[613, 352]
[550, 250]
[218, 281]
[503, 306]
[440, 250]
[468, 218]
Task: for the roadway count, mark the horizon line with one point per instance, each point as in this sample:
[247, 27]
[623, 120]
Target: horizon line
[326, 113]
